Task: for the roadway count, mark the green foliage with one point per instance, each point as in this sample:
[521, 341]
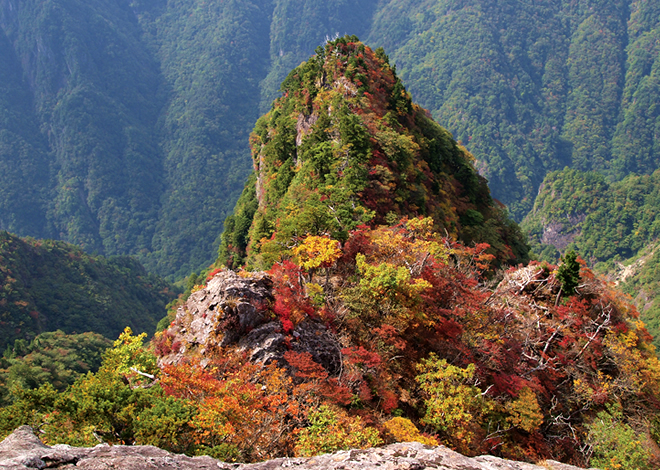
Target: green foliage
[387, 280]
[212, 58]
[127, 133]
[91, 107]
[345, 146]
[615, 445]
[602, 221]
[128, 354]
[48, 285]
[23, 154]
[234, 240]
[118, 404]
[51, 358]
[568, 273]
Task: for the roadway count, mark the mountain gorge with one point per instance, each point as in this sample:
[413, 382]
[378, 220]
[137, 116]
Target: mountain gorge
[385, 309]
[124, 125]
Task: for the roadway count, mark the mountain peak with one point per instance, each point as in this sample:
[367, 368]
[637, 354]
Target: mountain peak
[345, 145]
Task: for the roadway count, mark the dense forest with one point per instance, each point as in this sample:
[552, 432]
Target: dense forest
[370, 321]
[124, 124]
[52, 358]
[51, 285]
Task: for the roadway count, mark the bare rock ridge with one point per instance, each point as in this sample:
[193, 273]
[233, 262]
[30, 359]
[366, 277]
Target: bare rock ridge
[23, 450]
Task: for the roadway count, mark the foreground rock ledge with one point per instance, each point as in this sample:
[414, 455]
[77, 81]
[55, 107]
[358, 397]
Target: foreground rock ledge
[22, 450]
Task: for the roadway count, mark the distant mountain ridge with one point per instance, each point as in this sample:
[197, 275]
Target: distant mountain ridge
[124, 124]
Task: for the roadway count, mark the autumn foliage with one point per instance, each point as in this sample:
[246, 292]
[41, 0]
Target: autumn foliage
[429, 352]
[520, 369]
[436, 341]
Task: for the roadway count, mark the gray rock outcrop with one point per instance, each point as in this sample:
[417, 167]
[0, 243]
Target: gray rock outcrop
[235, 311]
[23, 450]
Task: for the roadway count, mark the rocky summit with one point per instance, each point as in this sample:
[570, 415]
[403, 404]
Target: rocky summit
[23, 450]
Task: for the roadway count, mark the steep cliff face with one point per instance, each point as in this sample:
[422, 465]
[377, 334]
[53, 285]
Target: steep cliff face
[345, 146]
[234, 311]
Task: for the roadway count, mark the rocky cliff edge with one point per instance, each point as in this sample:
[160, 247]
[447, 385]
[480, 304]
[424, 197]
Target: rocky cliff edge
[23, 450]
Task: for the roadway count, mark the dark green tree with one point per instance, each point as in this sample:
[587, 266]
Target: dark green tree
[568, 273]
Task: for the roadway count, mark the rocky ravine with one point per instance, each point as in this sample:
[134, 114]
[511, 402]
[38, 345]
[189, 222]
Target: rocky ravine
[23, 450]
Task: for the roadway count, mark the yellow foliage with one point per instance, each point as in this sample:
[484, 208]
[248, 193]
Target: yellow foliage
[403, 430]
[452, 405]
[333, 429]
[525, 412]
[387, 279]
[622, 349]
[315, 252]
[411, 247]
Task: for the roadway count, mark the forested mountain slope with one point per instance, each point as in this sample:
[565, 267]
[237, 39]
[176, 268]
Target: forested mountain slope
[611, 225]
[124, 124]
[345, 146]
[49, 285]
[533, 86]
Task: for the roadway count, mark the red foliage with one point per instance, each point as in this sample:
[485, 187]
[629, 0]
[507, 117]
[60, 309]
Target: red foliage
[304, 365]
[390, 400]
[361, 357]
[365, 392]
[390, 336]
[164, 343]
[291, 303]
[212, 274]
[337, 392]
[507, 384]
[358, 242]
[188, 381]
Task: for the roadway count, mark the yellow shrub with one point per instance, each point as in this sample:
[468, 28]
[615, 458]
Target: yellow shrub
[403, 430]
